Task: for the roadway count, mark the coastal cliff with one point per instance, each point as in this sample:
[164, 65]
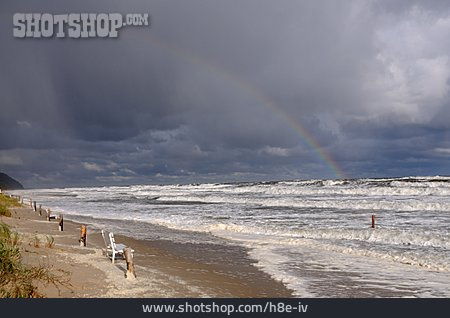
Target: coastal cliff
[8, 183]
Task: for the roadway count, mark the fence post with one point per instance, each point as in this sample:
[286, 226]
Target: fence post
[130, 263]
[61, 222]
[82, 239]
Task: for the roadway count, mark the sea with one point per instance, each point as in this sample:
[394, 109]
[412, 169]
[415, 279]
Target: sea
[315, 236]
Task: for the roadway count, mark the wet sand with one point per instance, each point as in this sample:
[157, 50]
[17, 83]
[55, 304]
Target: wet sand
[163, 268]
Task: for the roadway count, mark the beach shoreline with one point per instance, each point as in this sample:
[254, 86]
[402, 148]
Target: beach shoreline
[163, 269]
[284, 239]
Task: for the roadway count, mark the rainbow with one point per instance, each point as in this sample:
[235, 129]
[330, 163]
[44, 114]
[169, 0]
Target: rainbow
[257, 93]
[304, 134]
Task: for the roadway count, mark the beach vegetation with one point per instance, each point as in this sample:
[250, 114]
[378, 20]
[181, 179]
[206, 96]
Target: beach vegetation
[4, 211]
[50, 241]
[6, 203]
[35, 241]
[17, 279]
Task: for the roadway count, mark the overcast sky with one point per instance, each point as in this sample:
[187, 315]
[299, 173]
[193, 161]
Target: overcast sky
[215, 91]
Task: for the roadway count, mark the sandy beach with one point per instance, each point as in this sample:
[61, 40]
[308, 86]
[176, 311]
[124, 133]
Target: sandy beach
[163, 269]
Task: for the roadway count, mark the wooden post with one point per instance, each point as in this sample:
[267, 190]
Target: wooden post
[83, 236]
[48, 215]
[130, 263]
[34, 206]
[40, 209]
[61, 222]
[31, 203]
[373, 221]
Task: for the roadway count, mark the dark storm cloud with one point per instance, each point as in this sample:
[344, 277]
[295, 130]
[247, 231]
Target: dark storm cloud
[203, 94]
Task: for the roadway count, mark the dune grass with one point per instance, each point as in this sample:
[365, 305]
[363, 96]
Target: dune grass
[5, 211]
[6, 203]
[18, 280]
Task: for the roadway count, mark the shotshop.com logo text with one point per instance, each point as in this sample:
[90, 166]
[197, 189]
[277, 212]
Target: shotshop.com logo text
[73, 25]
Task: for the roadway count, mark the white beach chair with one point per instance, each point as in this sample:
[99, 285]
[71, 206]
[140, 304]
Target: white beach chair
[105, 236]
[112, 247]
